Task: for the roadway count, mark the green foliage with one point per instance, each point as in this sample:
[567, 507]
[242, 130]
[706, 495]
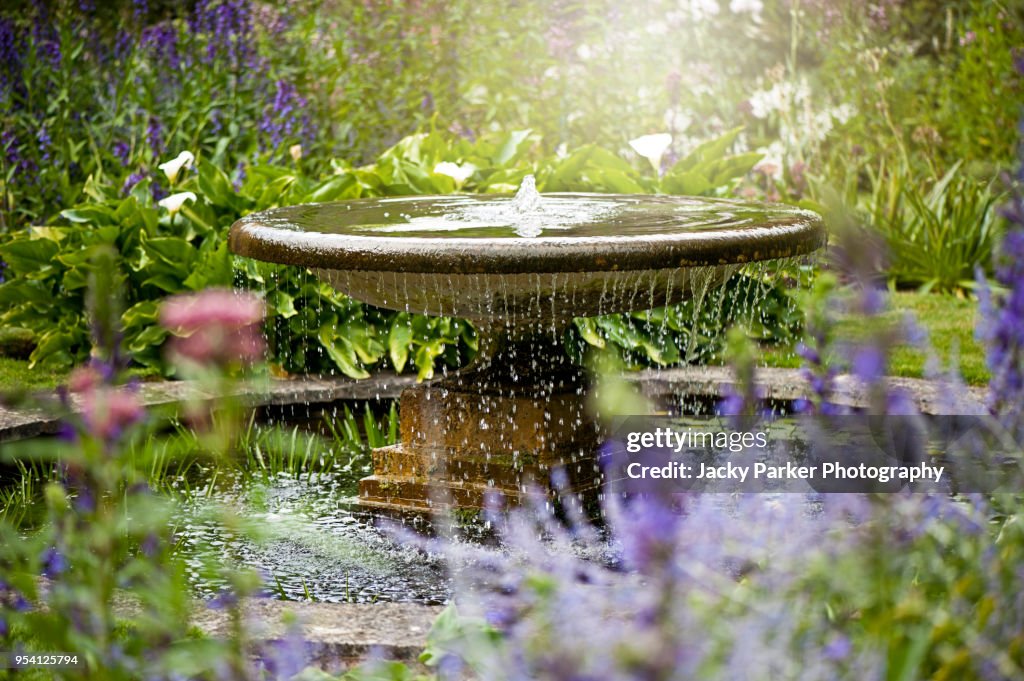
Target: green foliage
[939, 236]
[311, 326]
[691, 331]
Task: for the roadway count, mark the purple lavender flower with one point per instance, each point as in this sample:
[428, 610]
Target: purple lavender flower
[10, 54]
[122, 152]
[227, 27]
[45, 36]
[154, 135]
[839, 648]
[1001, 326]
[285, 118]
[869, 363]
[140, 10]
[224, 600]
[131, 181]
[289, 656]
[54, 563]
[240, 174]
[45, 143]
[216, 122]
[13, 155]
[162, 41]
[123, 44]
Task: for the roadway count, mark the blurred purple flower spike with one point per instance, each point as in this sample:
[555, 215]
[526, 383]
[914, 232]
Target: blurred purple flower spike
[1001, 323]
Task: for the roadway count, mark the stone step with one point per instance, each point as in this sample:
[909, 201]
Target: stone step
[401, 461]
[419, 492]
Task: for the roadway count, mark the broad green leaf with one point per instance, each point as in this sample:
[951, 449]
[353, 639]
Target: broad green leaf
[171, 250]
[399, 340]
[425, 356]
[686, 184]
[29, 256]
[94, 214]
[341, 353]
[588, 330]
[282, 304]
[511, 147]
[215, 185]
[708, 151]
[332, 189]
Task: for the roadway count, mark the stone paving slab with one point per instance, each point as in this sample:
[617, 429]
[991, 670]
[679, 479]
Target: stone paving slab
[931, 397]
[17, 424]
[780, 384]
[339, 635]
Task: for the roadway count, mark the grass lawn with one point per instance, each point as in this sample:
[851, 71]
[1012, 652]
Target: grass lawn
[949, 323]
[16, 376]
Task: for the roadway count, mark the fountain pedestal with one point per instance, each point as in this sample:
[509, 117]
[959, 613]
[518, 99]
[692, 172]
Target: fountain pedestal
[510, 420]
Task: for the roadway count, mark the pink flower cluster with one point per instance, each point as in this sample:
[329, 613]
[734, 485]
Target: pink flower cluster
[106, 410]
[216, 326]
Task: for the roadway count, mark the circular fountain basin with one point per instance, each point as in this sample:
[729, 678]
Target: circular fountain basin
[556, 257]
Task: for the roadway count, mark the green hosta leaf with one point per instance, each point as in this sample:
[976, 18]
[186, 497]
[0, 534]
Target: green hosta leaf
[708, 151]
[510, 149]
[141, 315]
[399, 341]
[425, 356]
[213, 268]
[567, 170]
[686, 183]
[341, 353]
[150, 337]
[170, 250]
[29, 257]
[94, 214]
[362, 338]
[20, 291]
[282, 304]
[165, 282]
[215, 185]
[587, 327]
[337, 187]
[616, 181]
[732, 167]
[56, 349]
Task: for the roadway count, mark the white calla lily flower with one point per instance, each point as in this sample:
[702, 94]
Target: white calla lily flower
[173, 167]
[652, 147]
[175, 202]
[459, 173]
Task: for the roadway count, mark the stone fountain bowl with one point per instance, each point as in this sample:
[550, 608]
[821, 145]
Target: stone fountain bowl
[488, 258]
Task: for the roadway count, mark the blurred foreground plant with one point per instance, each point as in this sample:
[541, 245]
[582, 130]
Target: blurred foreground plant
[101, 577]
